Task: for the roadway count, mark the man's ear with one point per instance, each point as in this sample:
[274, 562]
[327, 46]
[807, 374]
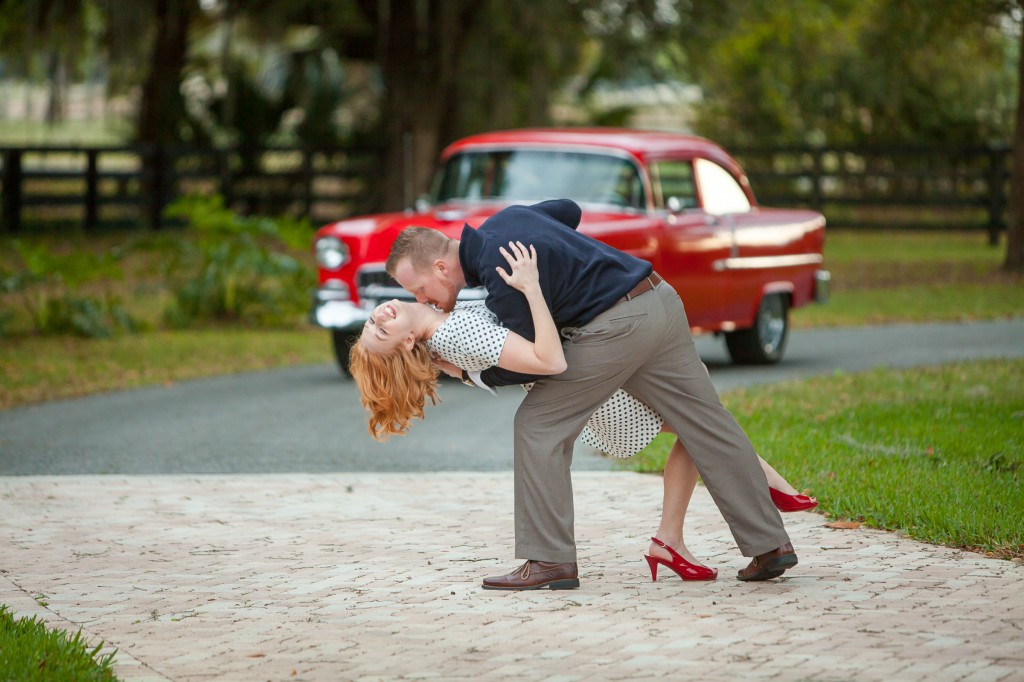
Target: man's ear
[441, 266]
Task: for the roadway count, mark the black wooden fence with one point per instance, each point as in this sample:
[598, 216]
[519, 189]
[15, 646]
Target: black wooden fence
[91, 187]
[915, 188]
[885, 187]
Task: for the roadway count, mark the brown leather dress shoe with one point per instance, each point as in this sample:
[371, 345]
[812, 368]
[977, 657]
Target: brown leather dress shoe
[770, 564]
[535, 575]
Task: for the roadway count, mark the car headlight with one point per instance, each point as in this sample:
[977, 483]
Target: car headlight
[331, 253]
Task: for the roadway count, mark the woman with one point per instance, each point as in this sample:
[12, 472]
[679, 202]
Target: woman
[394, 363]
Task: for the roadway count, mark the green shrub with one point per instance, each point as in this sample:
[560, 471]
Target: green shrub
[236, 268]
[46, 285]
[29, 652]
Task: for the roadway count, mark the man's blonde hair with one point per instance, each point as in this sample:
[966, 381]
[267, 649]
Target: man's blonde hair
[421, 245]
[393, 386]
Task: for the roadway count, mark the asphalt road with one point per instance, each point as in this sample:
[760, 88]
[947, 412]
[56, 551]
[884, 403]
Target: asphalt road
[308, 419]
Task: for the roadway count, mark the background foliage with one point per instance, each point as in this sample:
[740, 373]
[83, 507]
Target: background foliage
[418, 73]
[409, 76]
[219, 268]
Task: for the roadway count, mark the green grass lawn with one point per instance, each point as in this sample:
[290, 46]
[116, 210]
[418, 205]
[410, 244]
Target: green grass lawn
[936, 453]
[884, 277]
[38, 369]
[31, 652]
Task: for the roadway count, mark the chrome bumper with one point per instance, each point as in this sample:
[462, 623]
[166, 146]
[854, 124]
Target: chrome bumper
[822, 278]
[333, 307]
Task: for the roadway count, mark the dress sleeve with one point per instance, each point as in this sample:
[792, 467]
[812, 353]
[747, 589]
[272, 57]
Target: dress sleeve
[471, 339]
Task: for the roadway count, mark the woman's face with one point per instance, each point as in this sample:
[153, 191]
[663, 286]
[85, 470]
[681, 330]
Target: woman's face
[390, 324]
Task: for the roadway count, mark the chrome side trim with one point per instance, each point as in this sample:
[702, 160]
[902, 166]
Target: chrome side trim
[763, 262]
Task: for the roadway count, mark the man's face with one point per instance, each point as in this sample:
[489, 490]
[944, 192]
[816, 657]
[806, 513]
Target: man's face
[432, 286]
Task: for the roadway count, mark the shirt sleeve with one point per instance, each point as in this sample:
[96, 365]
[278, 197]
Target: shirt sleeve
[565, 211]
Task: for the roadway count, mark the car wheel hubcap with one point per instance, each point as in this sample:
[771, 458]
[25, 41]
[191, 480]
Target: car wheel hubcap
[772, 324]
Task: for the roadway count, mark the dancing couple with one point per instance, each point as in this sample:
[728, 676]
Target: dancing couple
[600, 341]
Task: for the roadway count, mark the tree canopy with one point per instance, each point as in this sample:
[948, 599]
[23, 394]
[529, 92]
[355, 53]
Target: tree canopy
[416, 74]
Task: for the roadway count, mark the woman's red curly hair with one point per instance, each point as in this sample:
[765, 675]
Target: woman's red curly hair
[393, 387]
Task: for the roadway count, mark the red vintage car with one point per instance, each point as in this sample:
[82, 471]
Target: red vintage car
[678, 201]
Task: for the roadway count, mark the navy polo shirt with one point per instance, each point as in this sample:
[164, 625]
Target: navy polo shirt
[580, 276]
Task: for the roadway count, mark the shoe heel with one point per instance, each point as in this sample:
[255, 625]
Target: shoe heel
[570, 584]
[653, 563]
[680, 566]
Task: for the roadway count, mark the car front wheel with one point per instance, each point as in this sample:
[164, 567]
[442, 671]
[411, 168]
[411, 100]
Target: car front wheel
[764, 343]
[342, 343]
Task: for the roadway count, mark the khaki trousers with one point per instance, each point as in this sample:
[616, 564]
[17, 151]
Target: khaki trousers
[644, 346]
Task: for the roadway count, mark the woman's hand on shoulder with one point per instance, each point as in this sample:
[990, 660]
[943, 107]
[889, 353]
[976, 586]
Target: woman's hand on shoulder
[522, 261]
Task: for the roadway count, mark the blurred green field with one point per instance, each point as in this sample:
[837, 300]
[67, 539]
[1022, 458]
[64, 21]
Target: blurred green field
[888, 277]
[878, 278]
[933, 452]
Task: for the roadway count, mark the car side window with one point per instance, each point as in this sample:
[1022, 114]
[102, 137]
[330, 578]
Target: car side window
[674, 179]
[719, 189]
[629, 190]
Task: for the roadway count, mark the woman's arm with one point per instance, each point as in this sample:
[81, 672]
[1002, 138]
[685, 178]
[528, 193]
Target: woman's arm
[544, 355]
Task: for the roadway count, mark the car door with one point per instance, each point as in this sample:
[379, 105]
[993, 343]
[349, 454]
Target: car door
[692, 242]
[726, 202]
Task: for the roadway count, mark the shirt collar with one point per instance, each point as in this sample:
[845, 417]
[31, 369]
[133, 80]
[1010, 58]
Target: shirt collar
[470, 243]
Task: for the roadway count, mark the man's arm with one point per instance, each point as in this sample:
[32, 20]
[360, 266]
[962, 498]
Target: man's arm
[496, 376]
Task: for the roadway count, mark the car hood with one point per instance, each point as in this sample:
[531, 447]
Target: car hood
[450, 218]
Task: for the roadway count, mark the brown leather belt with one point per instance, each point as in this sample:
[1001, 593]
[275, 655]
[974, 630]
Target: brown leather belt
[646, 284]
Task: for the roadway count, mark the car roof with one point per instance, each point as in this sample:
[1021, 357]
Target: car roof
[640, 142]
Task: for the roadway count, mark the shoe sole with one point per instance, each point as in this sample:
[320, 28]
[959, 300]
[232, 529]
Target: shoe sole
[797, 508]
[773, 569]
[763, 575]
[571, 584]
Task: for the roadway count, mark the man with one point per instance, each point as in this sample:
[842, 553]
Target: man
[624, 328]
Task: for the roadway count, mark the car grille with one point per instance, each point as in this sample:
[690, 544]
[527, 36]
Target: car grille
[374, 285]
[377, 276]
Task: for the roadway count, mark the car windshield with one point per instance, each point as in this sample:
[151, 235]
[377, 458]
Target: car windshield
[540, 174]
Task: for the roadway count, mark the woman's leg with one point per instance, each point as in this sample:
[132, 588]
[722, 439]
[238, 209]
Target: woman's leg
[679, 479]
[775, 479]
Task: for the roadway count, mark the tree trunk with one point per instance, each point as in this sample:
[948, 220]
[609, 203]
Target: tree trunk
[57, 82]
[1015, 228]
[423, 41]
[162, 108]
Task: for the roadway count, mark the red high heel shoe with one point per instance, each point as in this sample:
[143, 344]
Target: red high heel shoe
[792, 503]
[683, 568]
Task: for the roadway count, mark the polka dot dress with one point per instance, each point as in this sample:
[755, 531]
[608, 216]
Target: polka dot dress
[622, 427]
[472, 338]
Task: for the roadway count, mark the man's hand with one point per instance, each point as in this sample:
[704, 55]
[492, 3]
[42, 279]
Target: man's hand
[447, 367]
